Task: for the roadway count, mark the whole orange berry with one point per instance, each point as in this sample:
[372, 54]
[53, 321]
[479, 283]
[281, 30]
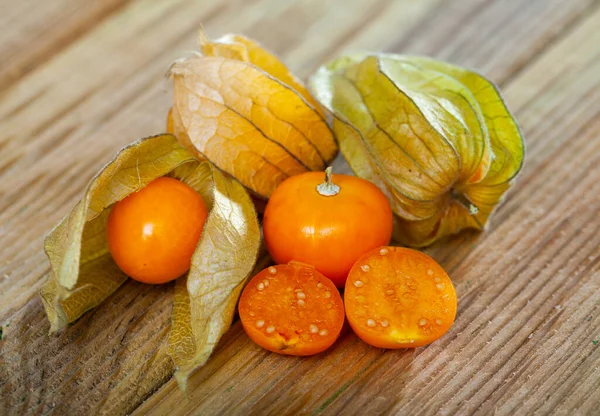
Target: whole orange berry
[152, 234]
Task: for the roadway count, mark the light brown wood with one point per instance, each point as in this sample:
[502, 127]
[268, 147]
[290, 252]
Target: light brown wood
[529, 287]
[34, 31]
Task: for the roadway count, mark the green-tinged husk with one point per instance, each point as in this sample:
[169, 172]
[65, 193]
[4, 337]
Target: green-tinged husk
[436, 138]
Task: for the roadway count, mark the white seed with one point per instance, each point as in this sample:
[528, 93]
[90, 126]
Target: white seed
[313, 328]
[260, 323]
[327, 294]
[272, 270]
[301, 302]
[251, 313]
[266, 283]
[412, 341]
[438, 321]
[384, 251]
[385, 323]
[429, 272]
[437, 279]
[323, 332]
[260, 286]
[440, 286]
[370, 322]
[300, 295]
[358, 283]
[319, 285]
[422, 322]
[365, 267]
[270, 329]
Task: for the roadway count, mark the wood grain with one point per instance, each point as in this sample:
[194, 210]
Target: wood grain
[35, 31]
[528, 288]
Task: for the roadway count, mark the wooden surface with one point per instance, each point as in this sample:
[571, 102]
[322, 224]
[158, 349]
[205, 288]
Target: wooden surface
[80, 79]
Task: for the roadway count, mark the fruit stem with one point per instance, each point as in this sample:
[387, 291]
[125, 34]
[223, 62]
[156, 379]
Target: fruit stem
[328, 188]
[461, 199]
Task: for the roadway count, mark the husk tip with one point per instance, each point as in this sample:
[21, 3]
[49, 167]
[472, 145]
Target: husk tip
[202, 38]
[54, 329]
[172, 68]
[182, 378]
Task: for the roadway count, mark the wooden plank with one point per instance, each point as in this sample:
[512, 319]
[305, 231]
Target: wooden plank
[515, 312]
[44, 137]
[497, 37]
[104, 361]
[49, 126]
[34, 31]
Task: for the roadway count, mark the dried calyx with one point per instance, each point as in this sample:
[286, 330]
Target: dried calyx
[437, 139]
[237, 105]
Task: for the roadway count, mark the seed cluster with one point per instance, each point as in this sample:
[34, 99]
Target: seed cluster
[300, 299]
[371, 323]
[384, 323]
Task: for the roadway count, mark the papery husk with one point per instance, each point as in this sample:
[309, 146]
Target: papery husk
[436, 138]
[83, 272]
[237, 105]
[205, 300]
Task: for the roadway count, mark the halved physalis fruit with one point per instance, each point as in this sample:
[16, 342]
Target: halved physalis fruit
[399, 298]
[292, 309]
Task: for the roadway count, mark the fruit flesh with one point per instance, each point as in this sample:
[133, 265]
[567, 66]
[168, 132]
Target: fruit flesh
[328, 232]
[292, 309]
[152, 234]
[399, 298]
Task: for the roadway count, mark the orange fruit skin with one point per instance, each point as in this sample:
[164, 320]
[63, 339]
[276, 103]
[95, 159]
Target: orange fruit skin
[328, 232]
[399, 299]
[152, 234]
[292, 309]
